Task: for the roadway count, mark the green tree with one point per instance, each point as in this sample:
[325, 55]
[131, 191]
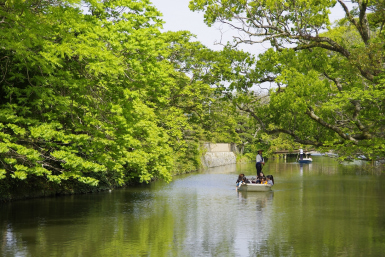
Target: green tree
[92, 91]
[72, 106]
[329, 77]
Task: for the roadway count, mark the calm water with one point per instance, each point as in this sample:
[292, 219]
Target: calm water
[321, 209]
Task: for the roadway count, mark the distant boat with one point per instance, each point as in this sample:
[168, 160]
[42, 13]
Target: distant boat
[251, 187]
[305, 160]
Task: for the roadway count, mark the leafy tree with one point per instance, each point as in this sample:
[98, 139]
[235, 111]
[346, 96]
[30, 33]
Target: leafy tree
[329, 78]
[92, 91]
[72, 107]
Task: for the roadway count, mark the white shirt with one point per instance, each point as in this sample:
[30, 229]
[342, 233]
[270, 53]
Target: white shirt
[301, 151]
[259, 158]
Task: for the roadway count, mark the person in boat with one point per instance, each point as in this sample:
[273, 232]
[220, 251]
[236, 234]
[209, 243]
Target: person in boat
[259, 163]
[261, 175]
[240, 179]
[301, 154]
[245, 180]
[263, 181]
[270, 179]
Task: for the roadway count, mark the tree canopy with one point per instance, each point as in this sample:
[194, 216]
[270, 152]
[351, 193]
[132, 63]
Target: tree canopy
[92, 91]
[329, 77]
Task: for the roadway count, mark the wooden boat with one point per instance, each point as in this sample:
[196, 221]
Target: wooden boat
[305, 160]
[251, 187]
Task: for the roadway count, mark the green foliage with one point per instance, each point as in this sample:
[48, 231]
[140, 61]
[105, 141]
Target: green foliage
[100, 94]
[71, 81]
[329, 79]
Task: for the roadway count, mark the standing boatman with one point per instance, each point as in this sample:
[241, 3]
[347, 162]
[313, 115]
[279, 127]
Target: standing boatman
[260, 161]
[301, 154]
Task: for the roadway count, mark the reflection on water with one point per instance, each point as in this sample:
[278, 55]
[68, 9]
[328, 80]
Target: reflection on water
[227, 169]
[259, 199]
[318, 209]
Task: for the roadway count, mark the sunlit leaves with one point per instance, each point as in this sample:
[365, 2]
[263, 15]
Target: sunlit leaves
[93, 92]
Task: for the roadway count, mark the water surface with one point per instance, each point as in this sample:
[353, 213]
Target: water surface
[318, 209]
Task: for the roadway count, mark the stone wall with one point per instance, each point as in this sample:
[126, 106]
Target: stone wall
[221, 147]
[215, 159]
[218, 147]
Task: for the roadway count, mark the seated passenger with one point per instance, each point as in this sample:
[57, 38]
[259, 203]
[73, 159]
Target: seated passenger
[260, 178]
[245, 180]
[263, 181]
[240, 177]
[270, 179]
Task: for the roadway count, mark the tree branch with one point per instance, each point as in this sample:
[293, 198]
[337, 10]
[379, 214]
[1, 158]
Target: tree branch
[313, 116]
[362, 26]
[294, 136]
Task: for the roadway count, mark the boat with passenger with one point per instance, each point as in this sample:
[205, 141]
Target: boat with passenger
[305, 160]
[252, 187]
[258, 184]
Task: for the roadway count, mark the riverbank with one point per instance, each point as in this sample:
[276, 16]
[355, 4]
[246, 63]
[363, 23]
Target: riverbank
[38, 186]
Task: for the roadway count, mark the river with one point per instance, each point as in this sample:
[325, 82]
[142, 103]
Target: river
[318, 209]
